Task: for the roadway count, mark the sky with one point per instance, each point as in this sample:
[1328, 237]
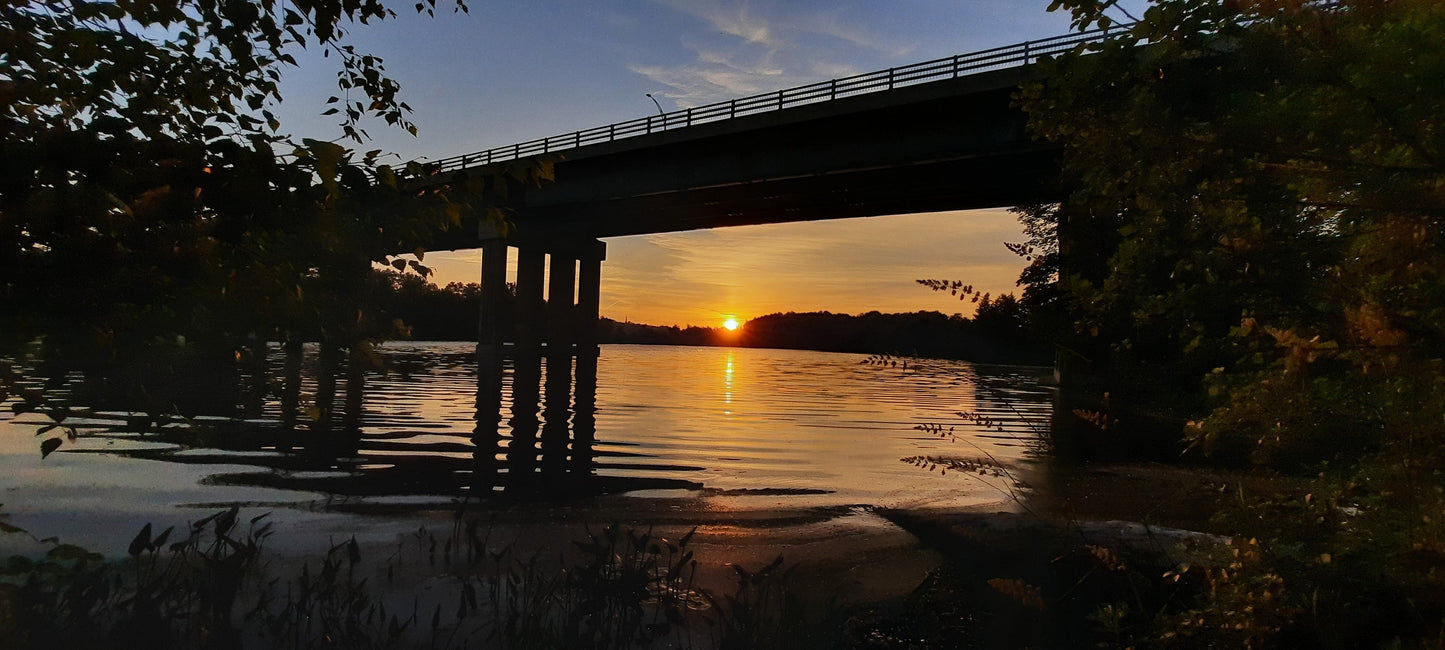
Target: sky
[509, 72]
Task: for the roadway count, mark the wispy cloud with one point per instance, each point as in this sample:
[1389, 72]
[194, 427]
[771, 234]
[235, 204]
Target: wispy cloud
[834, 70]
[716, 75]
[741, 48]
[830, 24]
[731, 18]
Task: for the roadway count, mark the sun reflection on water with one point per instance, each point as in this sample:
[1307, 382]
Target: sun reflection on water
[728, 384]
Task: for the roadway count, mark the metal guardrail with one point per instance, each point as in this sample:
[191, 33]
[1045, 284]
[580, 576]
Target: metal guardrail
[883, 80]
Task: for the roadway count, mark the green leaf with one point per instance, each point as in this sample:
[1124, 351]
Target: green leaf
[141, 542]
[386, 176]
[49, 446]
[327, 157]
[161, 538]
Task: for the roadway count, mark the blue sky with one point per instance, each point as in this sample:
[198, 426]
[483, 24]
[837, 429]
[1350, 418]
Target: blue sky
[513, 71]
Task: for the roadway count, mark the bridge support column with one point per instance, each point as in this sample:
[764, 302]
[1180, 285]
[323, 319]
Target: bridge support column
[494, 289]
[531, 269]
[560, 288]
[589, 296]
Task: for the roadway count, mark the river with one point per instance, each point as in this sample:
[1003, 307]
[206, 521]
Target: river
[729, 428]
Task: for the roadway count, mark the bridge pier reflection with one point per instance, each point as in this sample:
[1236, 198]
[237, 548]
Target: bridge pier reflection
[487, 437]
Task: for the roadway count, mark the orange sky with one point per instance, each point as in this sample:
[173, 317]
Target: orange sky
[847, 265]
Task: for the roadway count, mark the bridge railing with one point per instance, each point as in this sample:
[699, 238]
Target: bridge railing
[883, 80]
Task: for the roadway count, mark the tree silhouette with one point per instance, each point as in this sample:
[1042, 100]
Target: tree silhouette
[1252, 257]
[157, 223]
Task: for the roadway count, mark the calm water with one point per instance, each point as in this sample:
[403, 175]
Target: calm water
[736, 427]
[726, 419]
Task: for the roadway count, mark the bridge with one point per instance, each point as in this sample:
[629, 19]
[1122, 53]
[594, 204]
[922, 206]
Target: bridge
[932, 136]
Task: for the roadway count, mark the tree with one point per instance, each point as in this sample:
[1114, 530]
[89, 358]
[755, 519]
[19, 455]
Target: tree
[155, 222]
[1253, 244]
[183, 69]
[1258, 169]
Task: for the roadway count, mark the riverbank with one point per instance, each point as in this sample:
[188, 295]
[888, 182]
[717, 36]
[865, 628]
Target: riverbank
[997, 574]
[819, 564]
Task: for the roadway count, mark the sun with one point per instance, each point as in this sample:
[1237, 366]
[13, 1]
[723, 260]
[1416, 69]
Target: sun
[731, 324]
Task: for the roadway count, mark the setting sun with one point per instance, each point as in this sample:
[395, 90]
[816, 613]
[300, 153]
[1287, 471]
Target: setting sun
[731, 324]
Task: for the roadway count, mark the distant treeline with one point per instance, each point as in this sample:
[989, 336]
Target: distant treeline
[993, 336]
[429, 312]
[996, 334]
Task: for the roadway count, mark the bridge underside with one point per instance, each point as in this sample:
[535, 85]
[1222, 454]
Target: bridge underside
[948, 145]
[962, 184]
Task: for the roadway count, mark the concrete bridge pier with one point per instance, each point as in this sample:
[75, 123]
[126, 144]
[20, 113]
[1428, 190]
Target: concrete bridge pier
[567, 319]
[561, 287]
[494, 289]
[529, 305]
[589, 296]
[576, 271]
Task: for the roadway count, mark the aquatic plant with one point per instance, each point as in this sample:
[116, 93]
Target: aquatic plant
[214, 588]
[982, 464]
[167, 592]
